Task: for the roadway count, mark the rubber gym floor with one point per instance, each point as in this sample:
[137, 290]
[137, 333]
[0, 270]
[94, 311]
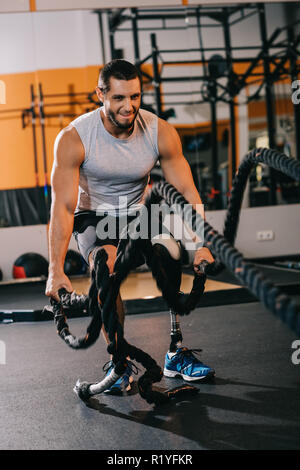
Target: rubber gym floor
[253, 402]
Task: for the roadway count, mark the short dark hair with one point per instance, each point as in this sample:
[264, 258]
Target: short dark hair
[120, 69]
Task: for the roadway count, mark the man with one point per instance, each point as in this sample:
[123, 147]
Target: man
[105, 155]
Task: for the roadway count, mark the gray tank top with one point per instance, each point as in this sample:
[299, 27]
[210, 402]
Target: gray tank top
[115, 172]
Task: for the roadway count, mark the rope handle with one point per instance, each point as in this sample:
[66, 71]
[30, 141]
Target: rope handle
[203, 268]
[70, 300]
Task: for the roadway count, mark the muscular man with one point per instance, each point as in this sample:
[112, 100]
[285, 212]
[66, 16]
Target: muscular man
[105, 156]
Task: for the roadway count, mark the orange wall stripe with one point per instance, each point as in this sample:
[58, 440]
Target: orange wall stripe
[258, 126]
[192, 129]
[281, 105]
[32, 5]
[17, 161]
[237, 139]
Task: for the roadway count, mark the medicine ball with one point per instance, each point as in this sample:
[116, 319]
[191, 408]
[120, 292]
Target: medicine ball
[30, 265]
[74, 264]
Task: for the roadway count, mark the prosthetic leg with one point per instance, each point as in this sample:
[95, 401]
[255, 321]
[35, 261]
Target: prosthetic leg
[179, 361]
[176, 335]
[172, 259]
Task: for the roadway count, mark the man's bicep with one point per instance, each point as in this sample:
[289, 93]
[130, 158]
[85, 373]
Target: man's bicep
[68, 149]
[175, 167]
[65, 171]
[169, 143]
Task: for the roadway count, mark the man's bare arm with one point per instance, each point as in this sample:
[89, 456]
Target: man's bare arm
[177, 171]
[68, 156]
[175, 167]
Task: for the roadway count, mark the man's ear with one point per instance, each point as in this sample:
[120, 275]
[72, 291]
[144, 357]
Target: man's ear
[99, 94]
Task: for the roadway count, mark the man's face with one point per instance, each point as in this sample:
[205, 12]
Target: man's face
[121, 102]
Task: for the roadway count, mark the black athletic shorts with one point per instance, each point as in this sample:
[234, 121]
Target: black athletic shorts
[86, 232]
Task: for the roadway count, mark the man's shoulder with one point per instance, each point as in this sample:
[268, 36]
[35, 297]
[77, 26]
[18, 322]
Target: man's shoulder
[68, 142]
[85, 118]
[147, 115]
[165, 128]
[68, 134]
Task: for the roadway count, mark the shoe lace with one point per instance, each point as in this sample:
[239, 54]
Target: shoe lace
[131, 365]
[133, 368]
[107, 365]
[186, 352]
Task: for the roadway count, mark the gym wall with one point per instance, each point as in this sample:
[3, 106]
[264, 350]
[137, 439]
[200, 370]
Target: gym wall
[62, 51]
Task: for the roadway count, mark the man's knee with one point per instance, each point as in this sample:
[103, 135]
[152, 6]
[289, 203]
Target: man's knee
[111, 253]
[169, 243]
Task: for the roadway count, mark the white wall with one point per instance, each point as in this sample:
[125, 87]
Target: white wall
[66, 39]
[15, 241]
[17, 45]
[62, 39]
[283, 220]
[14, 5]
[71, 38]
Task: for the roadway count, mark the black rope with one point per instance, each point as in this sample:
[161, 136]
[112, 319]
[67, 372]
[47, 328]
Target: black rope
[272, 158]
[165, 270]
[102, 305]
[271, 296]
[128, 251]
[69, 301]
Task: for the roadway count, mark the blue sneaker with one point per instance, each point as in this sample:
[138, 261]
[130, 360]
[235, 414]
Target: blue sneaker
[183, 363]
[123, 384]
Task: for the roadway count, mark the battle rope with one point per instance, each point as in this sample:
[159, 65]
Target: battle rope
[278, 161]
[106, 288]
[67, 302]
[165, 270]
[270, 295]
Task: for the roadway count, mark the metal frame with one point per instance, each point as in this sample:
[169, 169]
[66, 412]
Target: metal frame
[266, 54]
[224, 17]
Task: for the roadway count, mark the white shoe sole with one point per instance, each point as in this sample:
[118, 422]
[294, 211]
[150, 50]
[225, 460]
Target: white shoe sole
[187, 378]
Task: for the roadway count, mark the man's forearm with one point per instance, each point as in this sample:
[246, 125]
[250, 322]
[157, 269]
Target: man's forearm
[61, 227]
[192, 196]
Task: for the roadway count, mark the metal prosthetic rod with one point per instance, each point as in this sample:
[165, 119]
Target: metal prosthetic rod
[176, 335]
